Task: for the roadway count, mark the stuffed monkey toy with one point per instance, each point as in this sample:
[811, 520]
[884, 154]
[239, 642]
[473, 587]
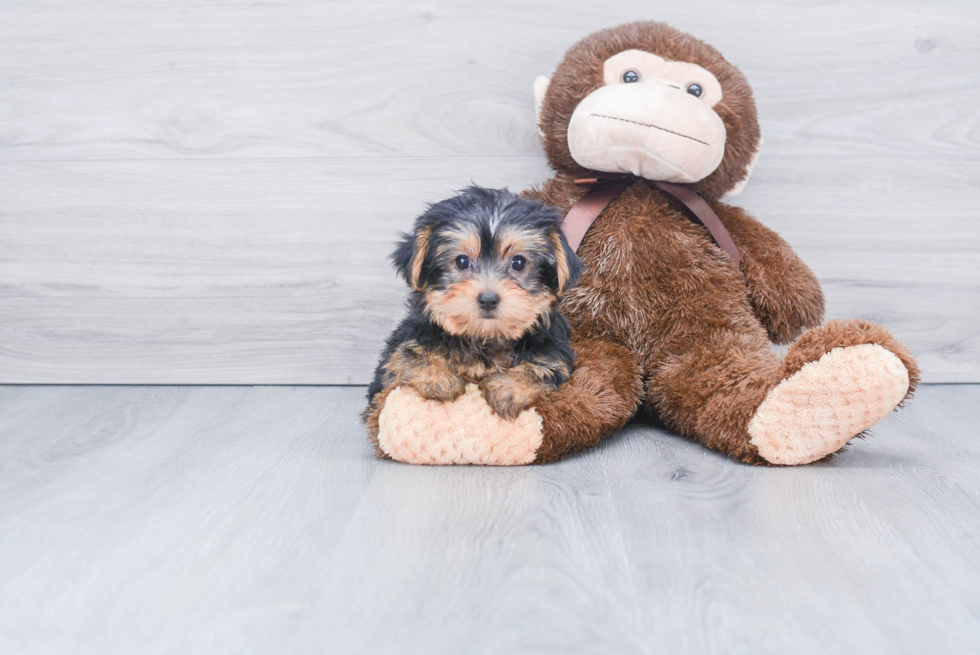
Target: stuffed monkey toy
[647, 128]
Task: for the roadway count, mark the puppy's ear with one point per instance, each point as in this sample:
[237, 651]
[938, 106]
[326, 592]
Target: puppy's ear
[567, 264]
[410, 254]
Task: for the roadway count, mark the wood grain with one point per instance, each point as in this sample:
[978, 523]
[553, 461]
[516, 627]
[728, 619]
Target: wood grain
[206, 192]
[255, 519]
[110, 79]
[276, 272]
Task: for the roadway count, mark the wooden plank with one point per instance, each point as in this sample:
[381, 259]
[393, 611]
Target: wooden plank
[211, 272]
[240, 170]
[842, 556]
[190, 499]
[118, 80]
[256, 520]
[275, 272]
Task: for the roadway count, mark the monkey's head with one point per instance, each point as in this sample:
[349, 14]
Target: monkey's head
[646, 99]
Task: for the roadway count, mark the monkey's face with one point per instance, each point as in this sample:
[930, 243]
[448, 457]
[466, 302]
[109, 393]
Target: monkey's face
[652, 118]
[648, 100]
[488, 264]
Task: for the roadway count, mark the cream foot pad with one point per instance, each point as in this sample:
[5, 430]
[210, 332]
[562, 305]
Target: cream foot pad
[815, 411]
[465, 431]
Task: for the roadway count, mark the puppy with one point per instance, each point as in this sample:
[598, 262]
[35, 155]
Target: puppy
[486, 270]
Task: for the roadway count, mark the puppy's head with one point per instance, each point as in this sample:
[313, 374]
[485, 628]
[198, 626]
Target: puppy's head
[490, 265]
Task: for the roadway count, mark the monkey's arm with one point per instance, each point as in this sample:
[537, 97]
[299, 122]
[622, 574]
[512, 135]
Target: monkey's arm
[602, 395]
[785, 293]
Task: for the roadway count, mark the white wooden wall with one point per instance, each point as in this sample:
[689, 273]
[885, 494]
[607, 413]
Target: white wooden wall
[206, 192]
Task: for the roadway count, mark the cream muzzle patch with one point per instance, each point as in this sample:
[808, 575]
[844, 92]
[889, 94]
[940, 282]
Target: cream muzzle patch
[648, 121]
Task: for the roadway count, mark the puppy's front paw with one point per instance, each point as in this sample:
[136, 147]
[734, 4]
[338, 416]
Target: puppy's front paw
[508, 397]
[438, 387]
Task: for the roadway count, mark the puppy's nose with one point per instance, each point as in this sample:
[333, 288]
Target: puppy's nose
[488, 300]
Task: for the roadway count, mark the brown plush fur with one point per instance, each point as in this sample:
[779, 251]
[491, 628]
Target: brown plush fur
[837, 334]
[656, 284]
[604, 392]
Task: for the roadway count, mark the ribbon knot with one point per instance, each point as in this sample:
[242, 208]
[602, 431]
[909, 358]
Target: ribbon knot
[604, 190]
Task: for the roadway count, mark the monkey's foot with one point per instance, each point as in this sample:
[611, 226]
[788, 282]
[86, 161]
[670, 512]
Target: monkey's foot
[817, 410]
[465, 431]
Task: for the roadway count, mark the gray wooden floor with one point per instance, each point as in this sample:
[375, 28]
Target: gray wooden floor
[256, 520]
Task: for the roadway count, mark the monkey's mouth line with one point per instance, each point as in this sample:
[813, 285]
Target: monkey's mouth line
[656, 127]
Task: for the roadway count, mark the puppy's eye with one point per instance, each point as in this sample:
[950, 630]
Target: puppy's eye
[631, 76]
[695, 89]
[462, 262]
[518, 263]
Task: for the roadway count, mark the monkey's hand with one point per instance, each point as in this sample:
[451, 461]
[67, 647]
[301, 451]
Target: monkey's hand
[603, 394]
[784, 292]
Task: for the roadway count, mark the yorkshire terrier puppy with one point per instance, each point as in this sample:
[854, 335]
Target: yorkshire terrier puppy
[486, 269]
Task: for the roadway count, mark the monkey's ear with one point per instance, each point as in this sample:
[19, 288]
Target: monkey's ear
[568, 266]
[738, 188]
[410, 254]
[540, 88]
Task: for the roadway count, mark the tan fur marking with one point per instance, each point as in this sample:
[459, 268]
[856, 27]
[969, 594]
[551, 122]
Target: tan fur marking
[461, 240]
[472, 370]
[456, 310]
[470, 245]
[546, 369]
[513, 390]
[564, 274]
[427, 372]
[510, 245]
[512, 241]
[421, 250]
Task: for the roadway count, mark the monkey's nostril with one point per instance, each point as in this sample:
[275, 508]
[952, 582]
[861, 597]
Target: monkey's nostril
[488, 300]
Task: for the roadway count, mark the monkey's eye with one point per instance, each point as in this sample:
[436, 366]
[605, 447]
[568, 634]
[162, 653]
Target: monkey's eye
[518, 263]
[631, 76]
[462, 262]
[695, 90]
